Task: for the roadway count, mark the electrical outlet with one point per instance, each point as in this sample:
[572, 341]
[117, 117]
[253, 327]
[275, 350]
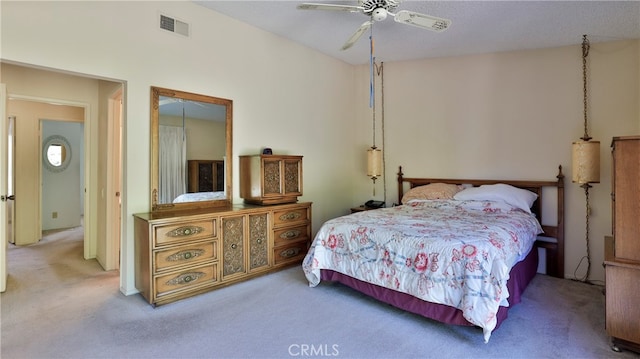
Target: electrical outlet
[54, 215]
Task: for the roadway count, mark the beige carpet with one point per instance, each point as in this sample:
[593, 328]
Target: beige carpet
[58, 305]
[49, 282]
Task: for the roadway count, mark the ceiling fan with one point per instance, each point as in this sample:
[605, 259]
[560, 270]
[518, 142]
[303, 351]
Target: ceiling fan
[378, 10]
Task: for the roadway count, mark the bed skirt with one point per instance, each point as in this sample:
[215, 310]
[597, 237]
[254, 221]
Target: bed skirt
[519, 278]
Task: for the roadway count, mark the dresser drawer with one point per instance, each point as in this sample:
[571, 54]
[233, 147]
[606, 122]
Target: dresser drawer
[186, 279]
[185, 254]
[291, 252]
[291, 216]
[175, 233]
[290, 234]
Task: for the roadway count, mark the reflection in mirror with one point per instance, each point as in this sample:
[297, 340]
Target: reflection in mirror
[56, 153]
[191, 150]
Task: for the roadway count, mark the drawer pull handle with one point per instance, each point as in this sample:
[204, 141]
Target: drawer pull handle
[185, 255]
[290, 252]
[259, 240]
[290, 216]
[185, 278]
[293, 233]
[234, 246]
[185, 231]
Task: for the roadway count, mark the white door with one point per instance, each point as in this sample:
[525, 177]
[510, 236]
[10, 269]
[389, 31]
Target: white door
[3, 188]
[114, 205]
[11, 179]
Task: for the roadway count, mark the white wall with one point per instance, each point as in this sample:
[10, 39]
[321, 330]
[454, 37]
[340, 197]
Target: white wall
[513, 115]
[286, 96]
[510, 115]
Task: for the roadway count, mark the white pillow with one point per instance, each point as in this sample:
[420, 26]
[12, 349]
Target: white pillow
[517, 197]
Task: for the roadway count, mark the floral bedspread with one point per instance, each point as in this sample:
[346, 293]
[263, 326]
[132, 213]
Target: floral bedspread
[457, 253]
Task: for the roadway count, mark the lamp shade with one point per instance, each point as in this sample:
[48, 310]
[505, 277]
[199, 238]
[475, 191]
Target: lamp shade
[585, 161]
[374, 162]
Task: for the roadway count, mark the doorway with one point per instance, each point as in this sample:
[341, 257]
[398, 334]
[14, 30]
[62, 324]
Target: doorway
[62, 174]
[93, 96]
[29, 152]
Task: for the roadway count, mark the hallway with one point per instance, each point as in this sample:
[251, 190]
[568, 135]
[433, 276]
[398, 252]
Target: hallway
[49, 275]
[36, 264]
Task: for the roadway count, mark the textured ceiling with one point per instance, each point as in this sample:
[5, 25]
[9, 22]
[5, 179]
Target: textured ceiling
[477, 26]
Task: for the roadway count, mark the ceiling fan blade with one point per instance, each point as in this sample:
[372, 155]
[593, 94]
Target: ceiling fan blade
[356, 35]
[421, 20]
[312, 6]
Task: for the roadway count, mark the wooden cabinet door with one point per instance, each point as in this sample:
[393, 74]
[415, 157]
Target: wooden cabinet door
[282, 176]
[626, 201]
[233, 253]
[258, 241]
[622, 312]
[292, 179]
[272, 177]
[218, 175]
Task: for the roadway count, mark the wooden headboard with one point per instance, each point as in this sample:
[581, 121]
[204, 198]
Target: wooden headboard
[553, 238]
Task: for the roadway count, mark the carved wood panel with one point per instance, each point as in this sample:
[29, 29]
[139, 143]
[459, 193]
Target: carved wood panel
[233, 245]
[258, 241]
[291, 177]
[271, 177]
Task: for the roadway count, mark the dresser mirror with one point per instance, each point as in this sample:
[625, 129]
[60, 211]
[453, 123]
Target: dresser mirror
[190, 150]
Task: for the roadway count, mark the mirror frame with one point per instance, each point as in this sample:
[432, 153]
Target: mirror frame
[156, 92]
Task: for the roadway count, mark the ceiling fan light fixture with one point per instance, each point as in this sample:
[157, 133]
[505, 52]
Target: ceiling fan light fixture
[379, 14]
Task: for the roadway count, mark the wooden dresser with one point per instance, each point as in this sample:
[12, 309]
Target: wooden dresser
[181, 254]
[622, 251]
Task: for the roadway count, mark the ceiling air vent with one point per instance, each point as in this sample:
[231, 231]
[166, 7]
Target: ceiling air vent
[173, 25]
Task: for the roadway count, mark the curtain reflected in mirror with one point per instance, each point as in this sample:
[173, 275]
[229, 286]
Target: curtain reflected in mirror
[172, 163]
[191, 142]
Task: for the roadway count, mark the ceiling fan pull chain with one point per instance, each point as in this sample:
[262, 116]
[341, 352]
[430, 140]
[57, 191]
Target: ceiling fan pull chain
[372, 94]
[372, 87]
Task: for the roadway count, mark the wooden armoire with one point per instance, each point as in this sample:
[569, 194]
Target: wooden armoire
[270, 179]
[205, 176]
[622, 251]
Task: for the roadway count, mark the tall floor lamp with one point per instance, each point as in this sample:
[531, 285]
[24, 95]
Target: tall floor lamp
[586, 156]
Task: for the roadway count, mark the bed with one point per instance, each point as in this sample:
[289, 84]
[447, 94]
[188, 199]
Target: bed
[459, 251]
[199, 196]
